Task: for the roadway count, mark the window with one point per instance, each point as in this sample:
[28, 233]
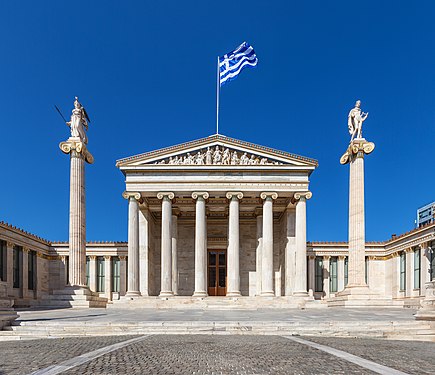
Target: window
[333, 286]
[116, 274]
[100, 274]
[31, 278]
[87, 271]
[346, 271]
[16, 261]
[319, 274]
[402, 271]
[2, 260]
[416, 268]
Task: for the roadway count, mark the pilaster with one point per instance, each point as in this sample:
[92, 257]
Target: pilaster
[93, 273]
[108, 277]
[123, 275]
[25, 273]
[326, 275]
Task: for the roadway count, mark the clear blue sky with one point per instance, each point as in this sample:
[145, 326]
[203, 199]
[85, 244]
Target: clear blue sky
[146, 73]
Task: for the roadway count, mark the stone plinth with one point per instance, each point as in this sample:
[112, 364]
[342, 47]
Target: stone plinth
[7, 313]
[427, 311]
[74, 296]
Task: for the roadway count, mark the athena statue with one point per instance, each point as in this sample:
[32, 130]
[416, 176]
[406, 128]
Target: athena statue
[79, 122]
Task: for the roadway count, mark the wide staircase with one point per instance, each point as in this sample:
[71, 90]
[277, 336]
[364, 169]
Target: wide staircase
[72, 297]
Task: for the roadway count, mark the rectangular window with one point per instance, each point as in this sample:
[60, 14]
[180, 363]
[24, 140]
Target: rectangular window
[3, 260]
[100, 274]
[402, 271]
[87, 271]
[333, 281]
[116, 274]
[319, 274]
[31, 275]
[416, 268]
[16, 263]
[346, 271]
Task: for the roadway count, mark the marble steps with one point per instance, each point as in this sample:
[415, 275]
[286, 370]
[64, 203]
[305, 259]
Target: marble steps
[72, 297]
[386, 329]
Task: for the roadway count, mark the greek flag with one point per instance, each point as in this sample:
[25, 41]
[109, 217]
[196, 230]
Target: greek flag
[231, 64]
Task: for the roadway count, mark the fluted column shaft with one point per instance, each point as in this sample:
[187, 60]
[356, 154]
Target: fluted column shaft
[166, 242]
[258, 254]
[340, 273]
[301, 244]
[108, 277]
[233, 289]
[93, 273]
[77, 221]
[133, 245]
[267, 248]
[200, 245]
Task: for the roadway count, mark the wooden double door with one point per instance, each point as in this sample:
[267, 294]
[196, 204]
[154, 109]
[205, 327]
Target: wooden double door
[217, 272]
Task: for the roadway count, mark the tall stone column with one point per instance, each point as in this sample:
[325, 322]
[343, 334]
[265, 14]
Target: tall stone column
[340, 273]
[166, 242]
[290, 251]
[326, 275]
[25, 271]
[123, 275]
[10, 264]
[354, 156]
[258, 254]
[93, 273]
[174, 234]
[144, 252]
[312, 272]
[267, 250]
[425, 257]
[233, 288]
[200, 245]
[79, 155]
[108, 277]
[409, 272]
[301, 244]
[133, 243]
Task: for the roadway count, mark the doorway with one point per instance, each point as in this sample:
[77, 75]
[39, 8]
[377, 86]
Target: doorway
[217, 272]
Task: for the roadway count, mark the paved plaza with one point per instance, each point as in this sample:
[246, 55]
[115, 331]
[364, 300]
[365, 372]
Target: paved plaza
[207, 354]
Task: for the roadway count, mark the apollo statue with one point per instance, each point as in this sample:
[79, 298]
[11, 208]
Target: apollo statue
[355, 120]
[79, 122]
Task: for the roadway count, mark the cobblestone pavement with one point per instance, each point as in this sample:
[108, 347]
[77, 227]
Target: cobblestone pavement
[23, 357]
[414, 357]
[214, 354]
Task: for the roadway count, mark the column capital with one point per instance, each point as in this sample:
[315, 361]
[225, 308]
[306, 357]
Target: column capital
[92, 257]
[409, 250]
[10, 244]
[75, 146]
[326, 257]
[302, 195]
[234, 194]
[162, 194]
[341, 257]
[107, 257]
[132, 194]
[312, 257]
[268, 194]
[26, 249]
[200, 194]
[123, 258]
[357, 147]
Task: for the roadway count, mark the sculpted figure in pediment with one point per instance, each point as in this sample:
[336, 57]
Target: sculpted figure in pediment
[217, 156]
[209, 156]
[226, 157]
[244, 160]
[199, 158]
[234, 158]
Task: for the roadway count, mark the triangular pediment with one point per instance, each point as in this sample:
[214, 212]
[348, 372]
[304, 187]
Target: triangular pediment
[216, 150]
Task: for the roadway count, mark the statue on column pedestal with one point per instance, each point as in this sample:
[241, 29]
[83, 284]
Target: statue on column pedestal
[355, 120]
[79, 122]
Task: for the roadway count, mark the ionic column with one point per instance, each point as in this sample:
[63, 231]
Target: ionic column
[258, 254]
[312, 272]
[326, 275]
[10, 264]
[133, 243]
[122, 275]
[409, 272]
[200, 245]
[354, 155]
[340, 273]
[301, 244]
[174, 234]
[108, 277]
[166, 242]
[234, 245]
[267, 250]
[93, 273]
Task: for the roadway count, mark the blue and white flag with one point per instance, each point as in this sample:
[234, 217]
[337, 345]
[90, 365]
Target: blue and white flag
[231, 64]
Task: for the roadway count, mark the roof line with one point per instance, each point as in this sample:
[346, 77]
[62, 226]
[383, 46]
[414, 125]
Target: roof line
[216, 137]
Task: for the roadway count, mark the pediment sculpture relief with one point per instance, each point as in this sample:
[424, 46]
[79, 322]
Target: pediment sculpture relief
[217, 156]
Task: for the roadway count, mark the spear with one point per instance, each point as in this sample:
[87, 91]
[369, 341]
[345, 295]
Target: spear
[60, 113]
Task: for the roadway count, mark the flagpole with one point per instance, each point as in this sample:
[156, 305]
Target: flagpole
[217, 98]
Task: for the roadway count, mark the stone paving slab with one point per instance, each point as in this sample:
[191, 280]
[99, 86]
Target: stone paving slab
[408, 356]
[168, 354]
[24, 357]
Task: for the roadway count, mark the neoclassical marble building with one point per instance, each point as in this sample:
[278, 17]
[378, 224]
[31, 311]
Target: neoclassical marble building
[216, 217]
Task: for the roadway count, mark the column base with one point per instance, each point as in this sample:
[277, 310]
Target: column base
[267, 294]
[166, 294]
[427, 311]
[234, 294]
[199, 294]
[132, 293]
[301, 293]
